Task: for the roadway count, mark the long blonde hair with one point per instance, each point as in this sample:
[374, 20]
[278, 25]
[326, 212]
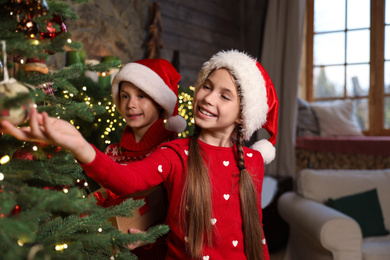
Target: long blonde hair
[197, 205]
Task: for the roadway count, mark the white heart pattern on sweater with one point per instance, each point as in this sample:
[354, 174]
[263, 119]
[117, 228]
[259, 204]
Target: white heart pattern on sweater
[206, 257]
[235, 242]
[213, 221]
[226, 196]
[226, 163]
[249, 154]
[186, 152]
[160, 168]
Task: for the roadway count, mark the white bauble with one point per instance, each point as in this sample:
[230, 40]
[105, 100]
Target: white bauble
[19, 114]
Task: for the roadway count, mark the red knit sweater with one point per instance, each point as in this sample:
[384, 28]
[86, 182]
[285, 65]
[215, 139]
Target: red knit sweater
[127, 151]
[167, 165]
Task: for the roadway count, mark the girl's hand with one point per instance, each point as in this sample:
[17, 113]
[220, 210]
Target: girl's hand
[54, 131]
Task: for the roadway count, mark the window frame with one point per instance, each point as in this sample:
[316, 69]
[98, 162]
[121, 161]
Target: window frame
[376, 95]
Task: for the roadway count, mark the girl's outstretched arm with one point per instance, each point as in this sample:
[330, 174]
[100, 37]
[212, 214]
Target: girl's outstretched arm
[54, 131]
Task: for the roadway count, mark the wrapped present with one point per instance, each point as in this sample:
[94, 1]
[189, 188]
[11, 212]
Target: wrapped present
[154, 211]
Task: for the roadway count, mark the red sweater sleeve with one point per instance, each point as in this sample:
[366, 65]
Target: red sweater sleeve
[134, 177]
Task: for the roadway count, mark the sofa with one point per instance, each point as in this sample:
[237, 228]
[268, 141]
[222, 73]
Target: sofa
[326, 210]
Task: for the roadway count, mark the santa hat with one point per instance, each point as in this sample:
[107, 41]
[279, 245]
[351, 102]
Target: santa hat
[258, 97]
[159, 80]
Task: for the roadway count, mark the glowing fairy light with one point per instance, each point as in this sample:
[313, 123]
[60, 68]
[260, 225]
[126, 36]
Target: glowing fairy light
[84, 88]
[69, 40]
[65, 190]
[1, 176]
[86, 184]
[61, 247]
[4, 159]
[100, 230]
[35, 148]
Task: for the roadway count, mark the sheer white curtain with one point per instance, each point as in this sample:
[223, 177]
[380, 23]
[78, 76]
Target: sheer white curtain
[281, 57]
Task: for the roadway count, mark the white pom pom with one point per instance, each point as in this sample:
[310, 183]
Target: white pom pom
[176, 124]
[266, 149]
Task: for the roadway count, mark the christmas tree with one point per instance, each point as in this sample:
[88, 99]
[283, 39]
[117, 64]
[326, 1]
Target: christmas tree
[46, 207]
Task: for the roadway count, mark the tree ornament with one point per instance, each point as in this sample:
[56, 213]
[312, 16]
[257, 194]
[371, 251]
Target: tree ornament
[18, 112]
[37, 65]
[13, 107]
[52, 32]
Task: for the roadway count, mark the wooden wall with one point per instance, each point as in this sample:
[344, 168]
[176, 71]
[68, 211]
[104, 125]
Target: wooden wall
[196, 29]
[199, 29]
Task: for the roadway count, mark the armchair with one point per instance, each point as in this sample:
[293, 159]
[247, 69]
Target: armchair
[319, 232]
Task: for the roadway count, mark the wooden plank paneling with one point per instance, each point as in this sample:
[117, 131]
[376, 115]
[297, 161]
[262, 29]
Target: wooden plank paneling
[198, 29]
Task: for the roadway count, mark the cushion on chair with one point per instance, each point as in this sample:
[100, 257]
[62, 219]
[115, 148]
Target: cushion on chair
[320, 185]
[364, 207]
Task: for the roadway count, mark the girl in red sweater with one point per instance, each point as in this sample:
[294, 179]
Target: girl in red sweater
[214, 183]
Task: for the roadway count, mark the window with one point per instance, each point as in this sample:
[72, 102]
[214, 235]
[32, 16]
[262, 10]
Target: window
[348, 57]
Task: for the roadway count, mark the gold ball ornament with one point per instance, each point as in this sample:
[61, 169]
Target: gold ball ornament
[18, 113]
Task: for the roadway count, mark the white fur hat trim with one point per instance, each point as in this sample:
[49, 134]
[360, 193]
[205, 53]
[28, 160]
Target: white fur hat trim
[176, 123]
[253, 90]
[266, 149]
[148, 81]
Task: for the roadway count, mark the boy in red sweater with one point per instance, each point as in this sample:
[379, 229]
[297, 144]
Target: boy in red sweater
[144, 93]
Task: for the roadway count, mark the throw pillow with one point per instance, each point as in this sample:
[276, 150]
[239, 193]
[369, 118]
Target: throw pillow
[336, 118]
[364, 207]
[307, 122]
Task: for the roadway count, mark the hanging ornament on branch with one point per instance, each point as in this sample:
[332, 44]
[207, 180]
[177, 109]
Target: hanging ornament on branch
[54, 27]
[15, 98]
[39, 66]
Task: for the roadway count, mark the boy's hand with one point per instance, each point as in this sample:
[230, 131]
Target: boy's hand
[138, 244]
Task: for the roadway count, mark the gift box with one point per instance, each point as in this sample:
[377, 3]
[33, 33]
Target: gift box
[154, 211]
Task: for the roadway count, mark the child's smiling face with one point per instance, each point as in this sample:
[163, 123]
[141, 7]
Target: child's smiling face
[217, 104]
[138, 109]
